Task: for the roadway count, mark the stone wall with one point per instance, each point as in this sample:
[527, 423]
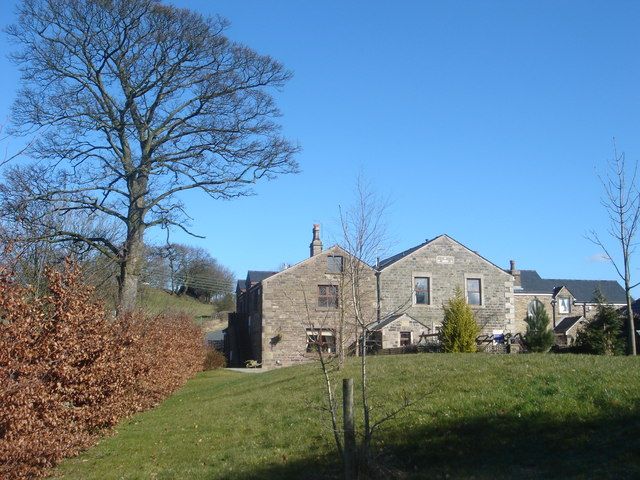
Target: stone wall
[290, 306]
[447, 264]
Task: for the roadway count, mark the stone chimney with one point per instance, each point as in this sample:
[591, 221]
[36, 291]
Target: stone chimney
[515, 273]
[316, 244]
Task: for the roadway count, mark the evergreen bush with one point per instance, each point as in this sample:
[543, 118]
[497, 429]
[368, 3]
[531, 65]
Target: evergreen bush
[604, 334]
[539, 337]
[459, 327]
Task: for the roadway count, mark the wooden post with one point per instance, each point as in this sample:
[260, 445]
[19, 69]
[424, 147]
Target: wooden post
[350, 463]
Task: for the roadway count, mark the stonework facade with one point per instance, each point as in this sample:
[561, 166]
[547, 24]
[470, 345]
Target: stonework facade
[447, 265]
[297, 304]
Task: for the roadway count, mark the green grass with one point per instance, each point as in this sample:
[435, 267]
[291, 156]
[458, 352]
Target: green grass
[478, 416]
[155, 301]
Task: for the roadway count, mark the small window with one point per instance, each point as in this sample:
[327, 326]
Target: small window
[405, 339]
[327, 296]
[334, 264]
[421, 290]
[474, 292]
[322, 340]
[564, 305]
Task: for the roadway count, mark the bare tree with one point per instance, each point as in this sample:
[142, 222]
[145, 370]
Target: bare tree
[622, 202]
[365, 238]
[135, 102]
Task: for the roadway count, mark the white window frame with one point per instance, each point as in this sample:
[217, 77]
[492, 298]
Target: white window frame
[561, 302]
[473, 276]
[429, 278]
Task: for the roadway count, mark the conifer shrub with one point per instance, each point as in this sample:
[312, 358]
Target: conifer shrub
[68, 370]
[459, 328]
[538, 337]
[604, 334]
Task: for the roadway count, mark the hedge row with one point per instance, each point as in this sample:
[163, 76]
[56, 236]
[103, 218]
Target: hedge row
[68, 370]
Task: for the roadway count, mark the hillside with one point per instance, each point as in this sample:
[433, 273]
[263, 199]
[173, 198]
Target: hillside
[156, 301]
[479, 416]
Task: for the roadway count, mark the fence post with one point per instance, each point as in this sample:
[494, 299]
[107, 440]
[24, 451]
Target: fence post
[350, 463]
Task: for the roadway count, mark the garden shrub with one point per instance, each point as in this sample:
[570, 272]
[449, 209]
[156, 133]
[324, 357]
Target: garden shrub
[214, 359]
[68, 370]
[459, 327]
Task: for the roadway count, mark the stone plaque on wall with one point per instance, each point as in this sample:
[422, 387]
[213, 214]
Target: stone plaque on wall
[445, 259]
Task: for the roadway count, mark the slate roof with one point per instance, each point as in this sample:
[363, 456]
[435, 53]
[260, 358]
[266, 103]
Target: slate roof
[394, 258]
[582, 290]
[565, 325]
[255, 276]
[241, 285]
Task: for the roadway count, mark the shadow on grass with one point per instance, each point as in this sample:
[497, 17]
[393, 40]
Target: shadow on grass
[499, 446]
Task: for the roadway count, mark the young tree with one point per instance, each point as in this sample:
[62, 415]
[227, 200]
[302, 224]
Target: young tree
[622, 203]
[459, 327]
[136, 101]
[539, 337]
[604, 333]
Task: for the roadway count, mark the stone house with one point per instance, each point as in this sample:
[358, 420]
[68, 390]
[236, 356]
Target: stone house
[420, 280]
[283, 316]
[569, 303]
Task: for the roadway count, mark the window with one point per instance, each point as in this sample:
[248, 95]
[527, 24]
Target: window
[564, 305]
[474, 296]
[319, 339]
[405, 339]
[421, 289]
[327, 296]
[334, 264]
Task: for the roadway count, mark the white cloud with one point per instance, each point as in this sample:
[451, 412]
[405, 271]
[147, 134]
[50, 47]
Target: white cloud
[598, 258]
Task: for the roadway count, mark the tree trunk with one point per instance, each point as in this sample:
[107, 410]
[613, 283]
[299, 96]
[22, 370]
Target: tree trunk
[631, 324]
[132, 256]
[130, 270]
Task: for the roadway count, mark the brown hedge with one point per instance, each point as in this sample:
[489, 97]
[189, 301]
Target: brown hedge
[68, 370]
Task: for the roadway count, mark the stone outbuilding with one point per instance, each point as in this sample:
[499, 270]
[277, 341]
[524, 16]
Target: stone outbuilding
[397, 331]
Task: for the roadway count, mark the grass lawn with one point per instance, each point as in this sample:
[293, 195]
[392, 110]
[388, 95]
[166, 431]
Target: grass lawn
[479, 416]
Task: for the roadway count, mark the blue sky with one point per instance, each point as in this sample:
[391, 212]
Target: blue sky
[485, 120]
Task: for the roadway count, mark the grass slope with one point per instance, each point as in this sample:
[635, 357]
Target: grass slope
[480, 416]
[156, 301]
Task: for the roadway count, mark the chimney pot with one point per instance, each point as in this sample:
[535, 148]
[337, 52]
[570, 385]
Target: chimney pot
[517, 282]
[316, 244]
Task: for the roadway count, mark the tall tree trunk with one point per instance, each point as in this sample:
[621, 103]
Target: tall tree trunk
[630, 320]
[130, 270]
[132, 256]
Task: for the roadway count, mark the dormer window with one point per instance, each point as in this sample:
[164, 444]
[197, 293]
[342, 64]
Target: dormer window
[564, 305]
